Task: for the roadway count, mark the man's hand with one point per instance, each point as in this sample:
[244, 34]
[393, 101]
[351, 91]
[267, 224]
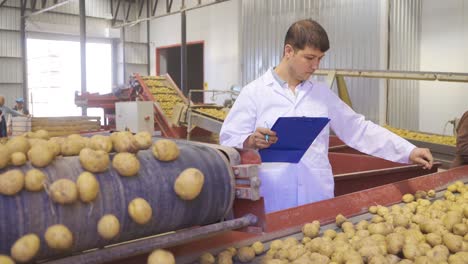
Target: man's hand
[261, 138]
[422, 156]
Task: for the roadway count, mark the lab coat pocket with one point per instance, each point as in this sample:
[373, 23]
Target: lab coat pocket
[278, 186]
[315, 186]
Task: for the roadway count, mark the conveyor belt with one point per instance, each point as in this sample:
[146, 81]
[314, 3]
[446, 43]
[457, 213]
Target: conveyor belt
[32, 212]
[353, 205]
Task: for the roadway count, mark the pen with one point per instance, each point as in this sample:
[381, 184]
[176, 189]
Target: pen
[267, 137]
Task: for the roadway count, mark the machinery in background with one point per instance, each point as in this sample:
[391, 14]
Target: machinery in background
[175, 115]
[136, 116]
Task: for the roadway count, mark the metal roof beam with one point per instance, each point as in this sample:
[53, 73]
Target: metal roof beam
[45, 9]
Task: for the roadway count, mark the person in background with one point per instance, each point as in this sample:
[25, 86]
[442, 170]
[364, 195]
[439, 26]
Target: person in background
[19, 107]
[4, 114]
[461, 156]
[287, 91]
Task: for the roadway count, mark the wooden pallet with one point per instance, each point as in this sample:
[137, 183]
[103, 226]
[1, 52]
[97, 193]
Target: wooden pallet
[56, 126]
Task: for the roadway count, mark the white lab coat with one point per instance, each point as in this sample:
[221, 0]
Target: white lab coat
[285, 185]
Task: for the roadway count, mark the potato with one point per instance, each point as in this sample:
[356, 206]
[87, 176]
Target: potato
[100, 142]
[438, 254]
[380, 228]
[363, 224]
[452, 188]
[460, 229]
[407, 198]
[6, 260]
[58, 140]
[453, 242]
[382, 210]
[41, 134]
[108, 226]
[143, 140]
[340, 219]
[11, 182]
[72, 145]
[395, 242]
[232, 250]
[40, 156]
[165, 150]
[94, 161]
[58, 237]
[458, 258]
[161, 256]
[452, 218]
[25, 248]
[88, 187]
[124, 142]
[434, 239]
[189, 184]
[34, 180]
[329, 233]
[317, 258]
[36, 141]
[377, 219]
[373, 209]
[18, 144]
[207, 258]
[224, 257]
[245, 254]
[276, 244]
[126, 164]
[431, 193]
[420, 194]
[63, 191]
[311, 230]
[140, 211]
[258, 247]
[401, 220]
[18, 159]
[4, 156]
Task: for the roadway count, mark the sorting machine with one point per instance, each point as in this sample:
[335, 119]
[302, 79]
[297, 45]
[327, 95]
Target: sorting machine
[230, 200]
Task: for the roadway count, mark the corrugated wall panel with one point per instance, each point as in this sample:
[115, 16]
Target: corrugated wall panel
[135, 68]
[10, 92]
[405, 40]
[348, 23]
[10, 44]
[135, 53]
[133, 33]
[10, 70]
[9, 19]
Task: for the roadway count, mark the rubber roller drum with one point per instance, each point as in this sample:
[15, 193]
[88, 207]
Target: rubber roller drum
[32, 212]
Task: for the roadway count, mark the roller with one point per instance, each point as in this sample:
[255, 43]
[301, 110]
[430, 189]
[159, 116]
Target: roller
[29, 212]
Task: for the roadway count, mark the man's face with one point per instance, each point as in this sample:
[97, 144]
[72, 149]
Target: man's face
[303, 63]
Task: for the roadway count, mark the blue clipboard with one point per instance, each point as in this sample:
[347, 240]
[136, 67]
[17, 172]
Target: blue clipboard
[295, 135]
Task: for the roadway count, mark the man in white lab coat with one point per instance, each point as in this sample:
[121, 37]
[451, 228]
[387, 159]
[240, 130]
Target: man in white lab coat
[285, 91]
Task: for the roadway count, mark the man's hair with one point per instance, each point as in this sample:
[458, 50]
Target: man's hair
[307, 33]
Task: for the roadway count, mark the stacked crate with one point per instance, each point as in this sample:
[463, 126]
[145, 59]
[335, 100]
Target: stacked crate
[56, 126]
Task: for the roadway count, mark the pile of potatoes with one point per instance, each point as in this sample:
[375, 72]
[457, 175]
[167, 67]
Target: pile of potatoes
[420, 231]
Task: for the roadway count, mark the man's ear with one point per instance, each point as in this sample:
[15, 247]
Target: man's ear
[288, 51]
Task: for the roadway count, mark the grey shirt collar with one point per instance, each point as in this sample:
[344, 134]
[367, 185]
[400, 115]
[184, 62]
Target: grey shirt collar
[278, 79]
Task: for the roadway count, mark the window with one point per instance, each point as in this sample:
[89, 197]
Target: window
[54, 75]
